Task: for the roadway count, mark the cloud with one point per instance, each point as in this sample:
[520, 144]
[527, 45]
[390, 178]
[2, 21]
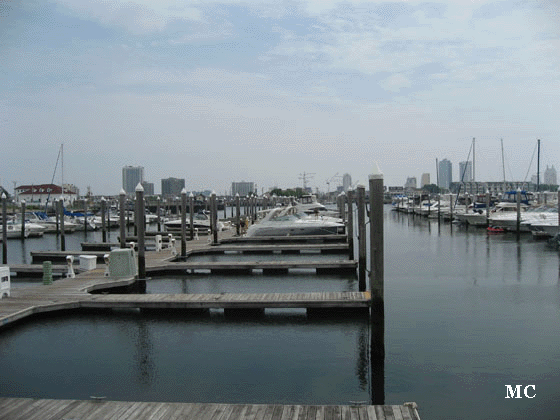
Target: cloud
[395, 83]
[138, 16]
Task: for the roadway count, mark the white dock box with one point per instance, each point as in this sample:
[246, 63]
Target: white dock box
[88, 262]
[122, 263]
[4, 282]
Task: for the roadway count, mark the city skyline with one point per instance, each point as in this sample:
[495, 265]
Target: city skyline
[215, 92]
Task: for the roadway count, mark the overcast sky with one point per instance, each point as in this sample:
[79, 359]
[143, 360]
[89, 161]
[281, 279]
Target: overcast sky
[266, 90]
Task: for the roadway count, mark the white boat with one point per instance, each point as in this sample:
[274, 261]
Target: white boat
[308, 204]
[110, 222]
[201, 221]
[49, 223]
[14, 231]
[289, 222]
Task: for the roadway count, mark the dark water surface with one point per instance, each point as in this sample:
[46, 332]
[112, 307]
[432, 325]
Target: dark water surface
[466, 314]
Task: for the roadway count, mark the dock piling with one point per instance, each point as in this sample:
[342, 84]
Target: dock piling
[376, 236]
[4, 230]
[238, 215]
[191, 214]
[159, 213]
[487, 207]
[183, 222]
[518, 201]
[361, 195]
[122, 222]
[350, 225]
[139, 217]
[22, 220]
[62, 233]
[103, 224]
[214, 215]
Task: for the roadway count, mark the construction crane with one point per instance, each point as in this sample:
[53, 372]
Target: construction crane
[306, 177]
[332, 178]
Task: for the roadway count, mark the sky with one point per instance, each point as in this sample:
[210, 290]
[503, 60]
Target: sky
[267, 91]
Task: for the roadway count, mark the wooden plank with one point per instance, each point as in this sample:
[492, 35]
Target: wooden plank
[388, 412]
[10, 405]
[397, 412]
[371, 414]
[45, 409]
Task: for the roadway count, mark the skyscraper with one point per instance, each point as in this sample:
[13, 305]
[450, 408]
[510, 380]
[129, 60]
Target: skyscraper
[172, 187]
[465, 171]
[131, 177]
[550, 176]
[242, 188]
[346, 182]
[410, 183]
[445, 174]
[425, 180]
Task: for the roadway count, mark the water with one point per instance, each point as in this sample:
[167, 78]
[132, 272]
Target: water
[466, 314]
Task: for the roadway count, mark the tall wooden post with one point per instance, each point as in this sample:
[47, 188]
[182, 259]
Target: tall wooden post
[376, 236]
[4, 229]
[140, 216]
[103, 225]
[62, 232]
[136, 220]
[85, 216]
[214, 215]
[377, 314]
[361, 192]
[127, 215]
[183, 223]
[487, 207]
[350, 224]
[191, 214]
[343, 206]
[518, 202]
[159, 214]
[56, 216]
[559, 210]
[122, 221]
[238, 215]
[22, 220]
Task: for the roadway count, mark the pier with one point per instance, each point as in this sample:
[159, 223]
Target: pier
[39, 409]
[83, 291]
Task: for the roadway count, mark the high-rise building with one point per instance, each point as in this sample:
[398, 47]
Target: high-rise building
[445, 174]
[148, 188]
[131, 177]
[172, 187]
[346, 182]
[465, 171]
[242, 188]
[550, 176]
[425, 180]
[410, 183]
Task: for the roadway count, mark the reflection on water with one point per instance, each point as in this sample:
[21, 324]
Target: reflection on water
[284, 358]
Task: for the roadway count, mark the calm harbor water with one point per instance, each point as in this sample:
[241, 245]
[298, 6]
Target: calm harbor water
[466, 315]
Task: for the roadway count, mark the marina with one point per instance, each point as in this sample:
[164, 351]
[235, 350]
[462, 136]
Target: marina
[205, 299]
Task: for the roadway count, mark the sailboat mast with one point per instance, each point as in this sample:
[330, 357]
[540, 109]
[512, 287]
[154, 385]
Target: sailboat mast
[503, 164]
[473, 162]
[62, 171]
[538, 164]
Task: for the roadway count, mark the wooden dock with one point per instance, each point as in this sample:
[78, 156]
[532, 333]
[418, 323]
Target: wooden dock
[268, 267]
[43, 409]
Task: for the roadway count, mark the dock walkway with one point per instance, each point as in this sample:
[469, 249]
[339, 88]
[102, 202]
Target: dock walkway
[45, 409]
[68, 293]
